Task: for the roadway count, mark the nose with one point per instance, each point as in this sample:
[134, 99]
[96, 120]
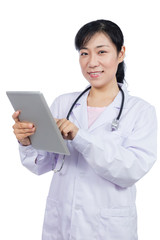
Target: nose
[93, 61]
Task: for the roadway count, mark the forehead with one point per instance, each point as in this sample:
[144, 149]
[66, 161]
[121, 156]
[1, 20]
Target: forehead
[98, 39]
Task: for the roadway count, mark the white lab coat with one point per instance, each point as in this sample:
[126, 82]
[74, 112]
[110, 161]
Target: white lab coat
[93, 197]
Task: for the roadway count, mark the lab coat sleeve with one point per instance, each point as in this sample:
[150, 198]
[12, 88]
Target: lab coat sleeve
[38, 161]
[122, 162]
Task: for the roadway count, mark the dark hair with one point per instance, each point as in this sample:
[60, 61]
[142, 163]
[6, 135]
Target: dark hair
[111, 30]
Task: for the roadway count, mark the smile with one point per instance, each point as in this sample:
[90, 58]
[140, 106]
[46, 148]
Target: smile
[95, 74]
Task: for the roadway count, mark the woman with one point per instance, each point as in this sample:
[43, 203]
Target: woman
[93, 196]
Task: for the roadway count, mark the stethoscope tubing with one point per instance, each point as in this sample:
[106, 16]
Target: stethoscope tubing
[122, 104]
[69, 113]
[87, 89]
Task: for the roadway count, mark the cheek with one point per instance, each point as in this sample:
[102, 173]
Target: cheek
[82, 66]
[111, 63]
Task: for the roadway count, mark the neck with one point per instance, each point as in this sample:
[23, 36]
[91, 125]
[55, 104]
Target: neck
[100, 97]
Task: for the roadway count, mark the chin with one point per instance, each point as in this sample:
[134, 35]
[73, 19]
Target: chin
[97, 84]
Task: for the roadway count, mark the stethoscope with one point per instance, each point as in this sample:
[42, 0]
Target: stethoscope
[114, 124]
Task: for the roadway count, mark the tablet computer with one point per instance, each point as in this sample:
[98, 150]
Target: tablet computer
[34, 109]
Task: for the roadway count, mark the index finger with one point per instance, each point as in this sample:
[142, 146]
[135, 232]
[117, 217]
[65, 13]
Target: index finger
[15, 116]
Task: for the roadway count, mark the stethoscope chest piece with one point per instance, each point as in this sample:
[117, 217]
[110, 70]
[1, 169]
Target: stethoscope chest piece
[115, 125]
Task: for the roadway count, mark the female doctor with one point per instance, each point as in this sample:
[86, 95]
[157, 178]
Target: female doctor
[93, 196]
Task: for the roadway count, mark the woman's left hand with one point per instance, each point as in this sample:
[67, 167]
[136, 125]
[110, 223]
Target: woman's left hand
[67, 128]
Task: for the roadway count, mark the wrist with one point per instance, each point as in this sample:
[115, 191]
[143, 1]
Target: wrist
[25, 142]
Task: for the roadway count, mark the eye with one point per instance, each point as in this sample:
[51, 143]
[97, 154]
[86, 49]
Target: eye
[83, 54]
[102, 52]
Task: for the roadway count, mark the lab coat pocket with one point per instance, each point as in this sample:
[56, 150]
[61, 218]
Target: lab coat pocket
[50, 220]
[118, 223]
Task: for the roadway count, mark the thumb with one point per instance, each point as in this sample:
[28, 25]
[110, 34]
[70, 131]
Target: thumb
[15, 116]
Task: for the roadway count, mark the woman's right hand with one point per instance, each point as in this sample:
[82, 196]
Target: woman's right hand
[22, 130]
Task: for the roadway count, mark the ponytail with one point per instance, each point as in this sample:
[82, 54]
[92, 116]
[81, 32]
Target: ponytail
[120, 75]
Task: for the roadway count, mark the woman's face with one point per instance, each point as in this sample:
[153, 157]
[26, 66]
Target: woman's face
[99, 60]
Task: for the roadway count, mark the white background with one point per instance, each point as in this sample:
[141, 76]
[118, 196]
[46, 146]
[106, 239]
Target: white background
[37, 53]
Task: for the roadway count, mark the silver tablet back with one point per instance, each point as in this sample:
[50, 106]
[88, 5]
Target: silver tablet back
[34, 109]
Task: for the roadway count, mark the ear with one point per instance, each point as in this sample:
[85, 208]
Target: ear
[121, 54]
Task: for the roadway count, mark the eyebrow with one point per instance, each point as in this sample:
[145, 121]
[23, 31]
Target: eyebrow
[102, 46]
[99, 46]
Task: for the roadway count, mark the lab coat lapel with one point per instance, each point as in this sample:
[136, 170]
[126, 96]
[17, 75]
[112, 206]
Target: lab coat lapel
[111, 111]
[80, 112]
[106, 117]
[81, 115]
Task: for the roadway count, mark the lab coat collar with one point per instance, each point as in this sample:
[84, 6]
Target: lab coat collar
[110, 113]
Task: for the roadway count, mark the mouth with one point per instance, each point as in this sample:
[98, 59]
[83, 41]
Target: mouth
[95, 74]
